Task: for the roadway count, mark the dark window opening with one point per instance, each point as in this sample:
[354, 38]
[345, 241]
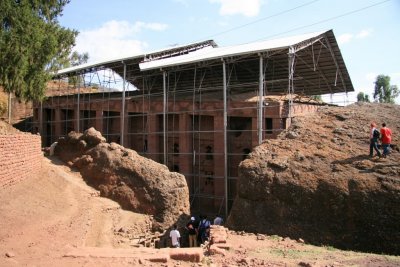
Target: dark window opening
[175, 168]
[246, 152]
[176, 148]
[268, 125]
[209, 179]
[239, 124]
[209, 155]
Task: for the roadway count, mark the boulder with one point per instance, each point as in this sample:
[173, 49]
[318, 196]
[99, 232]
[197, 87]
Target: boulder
[137, 183]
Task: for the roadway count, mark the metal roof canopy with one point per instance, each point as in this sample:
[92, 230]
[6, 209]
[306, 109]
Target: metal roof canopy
[318, 66]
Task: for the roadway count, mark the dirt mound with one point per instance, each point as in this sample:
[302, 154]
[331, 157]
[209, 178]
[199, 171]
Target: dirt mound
[317, 182]
[6, 128]
[136, 183]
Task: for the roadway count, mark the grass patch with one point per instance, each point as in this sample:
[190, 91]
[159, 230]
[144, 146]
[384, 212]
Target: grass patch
[274, 237]
[285, 253]
[330, 248]
[207, 261]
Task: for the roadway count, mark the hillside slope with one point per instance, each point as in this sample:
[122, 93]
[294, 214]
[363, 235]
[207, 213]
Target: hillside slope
[317, 182]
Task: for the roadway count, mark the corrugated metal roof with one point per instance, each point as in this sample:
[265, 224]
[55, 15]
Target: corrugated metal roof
[220, 52]
[157, 54]
[319, 66]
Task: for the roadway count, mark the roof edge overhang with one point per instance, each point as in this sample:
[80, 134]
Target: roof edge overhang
[157, 54]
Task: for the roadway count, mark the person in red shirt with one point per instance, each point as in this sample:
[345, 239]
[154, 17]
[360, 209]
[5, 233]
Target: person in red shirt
[386, 139]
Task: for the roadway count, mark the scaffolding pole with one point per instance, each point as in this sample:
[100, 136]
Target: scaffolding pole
[123, 107]
[225, 141]
[165, 116]
[291, 56]
[41, 119]
[260, 101]
[9, 107]
[78, 115]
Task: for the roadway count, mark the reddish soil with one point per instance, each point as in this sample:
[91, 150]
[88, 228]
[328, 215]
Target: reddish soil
[57, 220]
[317, 182]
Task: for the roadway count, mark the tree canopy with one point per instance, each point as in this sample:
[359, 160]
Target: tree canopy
[385, 92]
[30, 40]
[361, 97]
[316, 97]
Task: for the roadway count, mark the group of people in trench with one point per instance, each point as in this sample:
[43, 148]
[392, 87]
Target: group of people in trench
[382, 136]
[198, 231]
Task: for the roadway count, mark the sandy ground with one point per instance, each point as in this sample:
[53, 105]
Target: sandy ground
[57, 220]
[46, 217]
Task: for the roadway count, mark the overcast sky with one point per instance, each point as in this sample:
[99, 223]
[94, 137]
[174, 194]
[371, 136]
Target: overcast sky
[368, 31]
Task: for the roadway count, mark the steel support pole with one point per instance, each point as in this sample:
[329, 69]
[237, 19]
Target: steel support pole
[260, 101]
[41, 118]
[165, 116]
[123, 107]
[9, 108]
[291, 55]
[78, 112]
[225, 140]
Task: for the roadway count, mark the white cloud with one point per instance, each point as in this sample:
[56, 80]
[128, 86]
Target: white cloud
[248, 8]
[371, 76]
[364, 33]
[395, 75]
[151, 26]
[345, 38]
[182, 2]
[114, 39]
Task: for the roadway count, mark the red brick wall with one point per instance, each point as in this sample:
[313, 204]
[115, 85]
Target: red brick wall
[20, 158]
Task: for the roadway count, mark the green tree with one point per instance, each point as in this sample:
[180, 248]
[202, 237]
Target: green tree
[316, 97]
[384, 92]
[30, 39]
[361, 97]
[76, 59]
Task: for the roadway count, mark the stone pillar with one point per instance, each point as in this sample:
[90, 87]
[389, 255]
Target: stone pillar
[185, 148]
[219, 166]
[57, 122]
[153, 143]
[254, 132]
[76, 120]
[99, 120]
[126, 130]
[276, 126]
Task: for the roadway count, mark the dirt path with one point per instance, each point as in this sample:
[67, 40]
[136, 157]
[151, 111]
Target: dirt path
[45, 217]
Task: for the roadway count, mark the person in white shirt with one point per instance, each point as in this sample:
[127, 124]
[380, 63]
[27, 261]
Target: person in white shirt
[175, 237]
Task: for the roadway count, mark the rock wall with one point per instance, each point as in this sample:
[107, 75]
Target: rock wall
[19, 109]
[317, 182]
[137, 183]
[20, 157]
